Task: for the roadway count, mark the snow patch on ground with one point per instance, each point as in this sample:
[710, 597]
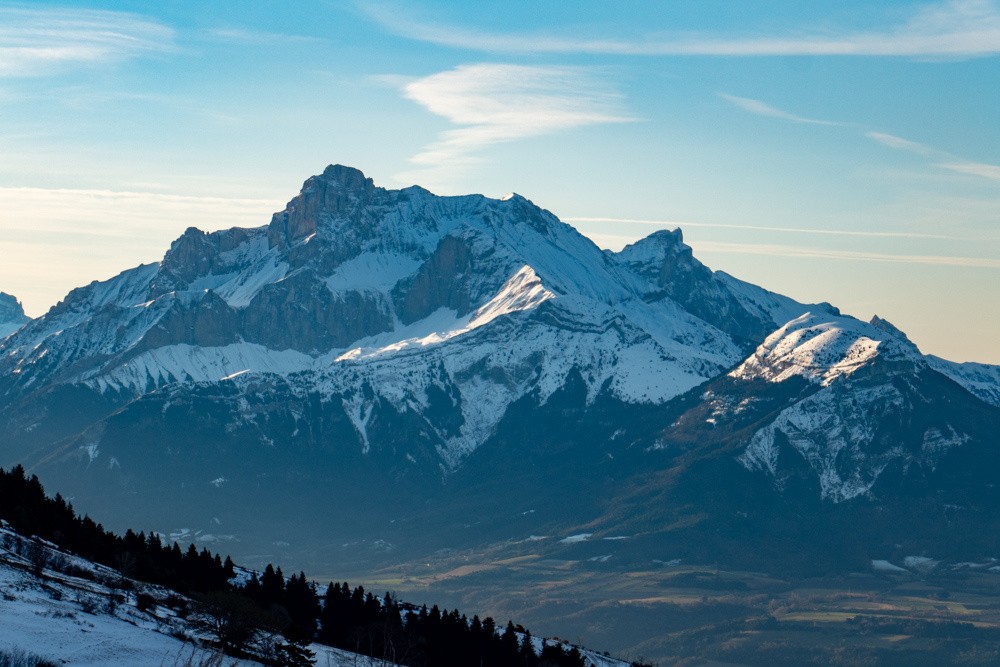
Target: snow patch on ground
[264, 266]
[67, 619]
[886, 566]
[359, 412]
[372, 271]
[936, 441]
[920, 563]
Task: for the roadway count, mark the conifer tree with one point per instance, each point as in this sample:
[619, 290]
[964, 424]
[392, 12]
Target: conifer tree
[509, 647]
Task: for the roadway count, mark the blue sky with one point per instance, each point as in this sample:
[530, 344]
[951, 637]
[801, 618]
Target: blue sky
[847, 152]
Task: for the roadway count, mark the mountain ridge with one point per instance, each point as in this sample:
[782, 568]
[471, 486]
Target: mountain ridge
[369, 339]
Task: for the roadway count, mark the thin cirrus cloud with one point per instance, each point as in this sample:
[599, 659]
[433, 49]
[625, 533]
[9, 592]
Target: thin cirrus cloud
[763, 109]
[982, 170]
[491, 103]
[260, 37]
[958, 28]
[666, 224]
[943, 160]
[778, 250]
[38, 42]
[899, 143]
[607, 240]
[940, 159]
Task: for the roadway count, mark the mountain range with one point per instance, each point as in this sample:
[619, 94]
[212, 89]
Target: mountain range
[379, 375]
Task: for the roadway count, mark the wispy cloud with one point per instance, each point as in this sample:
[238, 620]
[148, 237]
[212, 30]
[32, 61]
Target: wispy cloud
[958, 28]
[668, 224]
[762, 109]
[494, 103]
[943, 159]
[618, 241]
[990, 171]
[261, 37]
[778, 250]
[36, 42]
[892, 141]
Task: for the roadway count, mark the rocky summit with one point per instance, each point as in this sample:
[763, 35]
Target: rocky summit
[12, 315]
[382, 374]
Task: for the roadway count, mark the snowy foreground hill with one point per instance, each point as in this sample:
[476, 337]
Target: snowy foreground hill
[75, 612]
[67, 619]
[379, 375]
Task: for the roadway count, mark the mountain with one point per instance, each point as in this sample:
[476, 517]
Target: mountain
[12, 315]
[408, 372]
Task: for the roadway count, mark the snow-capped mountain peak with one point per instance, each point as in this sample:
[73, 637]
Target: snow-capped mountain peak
[822, 348]
[353, 284]
[889, 328]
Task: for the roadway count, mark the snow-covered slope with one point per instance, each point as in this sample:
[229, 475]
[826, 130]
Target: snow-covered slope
[822, 348]
[836, 431]
[68, 618]
[983, 380]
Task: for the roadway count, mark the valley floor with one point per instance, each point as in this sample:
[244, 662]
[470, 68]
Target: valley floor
[672, 613]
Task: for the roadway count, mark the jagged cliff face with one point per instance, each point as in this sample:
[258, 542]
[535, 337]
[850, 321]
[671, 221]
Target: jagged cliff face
[420, 345]
[12, 315]
[673, 272]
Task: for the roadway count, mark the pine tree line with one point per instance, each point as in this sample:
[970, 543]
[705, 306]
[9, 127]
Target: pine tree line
[350, 619]
[24, 505]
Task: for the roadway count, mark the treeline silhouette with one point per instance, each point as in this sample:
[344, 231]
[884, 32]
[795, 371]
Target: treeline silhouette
[342, 617]
[24, 505]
